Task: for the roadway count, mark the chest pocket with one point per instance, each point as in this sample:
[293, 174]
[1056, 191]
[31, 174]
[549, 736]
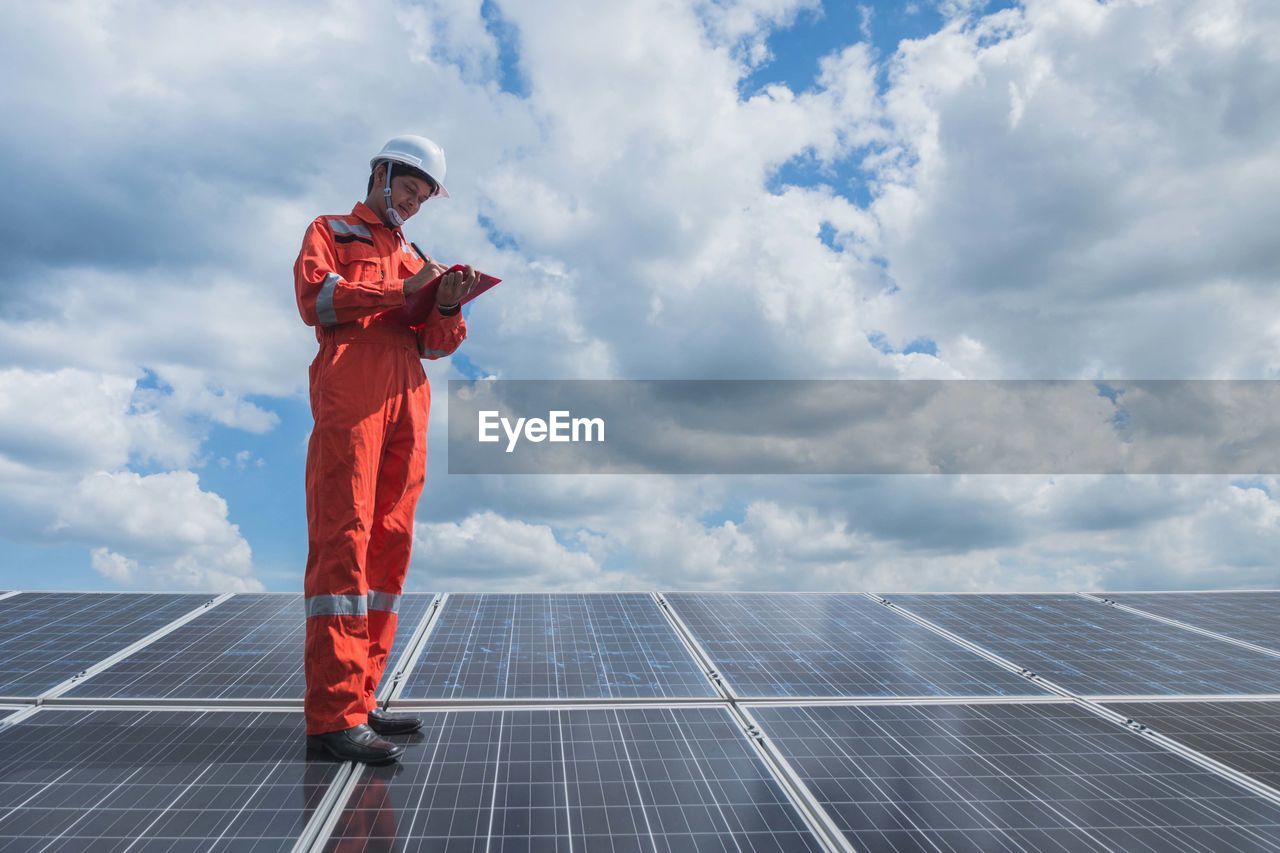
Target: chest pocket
[359, 261]
[408, 263]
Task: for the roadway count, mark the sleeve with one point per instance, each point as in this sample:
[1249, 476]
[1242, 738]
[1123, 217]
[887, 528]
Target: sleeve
[324, 297]
[441, 334]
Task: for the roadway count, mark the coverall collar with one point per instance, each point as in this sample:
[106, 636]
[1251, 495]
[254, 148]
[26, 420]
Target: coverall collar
[365, 213]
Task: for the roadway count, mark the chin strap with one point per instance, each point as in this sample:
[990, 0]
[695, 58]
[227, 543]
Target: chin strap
[393, 215]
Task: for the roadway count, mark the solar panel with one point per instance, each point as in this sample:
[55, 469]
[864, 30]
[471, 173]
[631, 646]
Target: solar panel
[571, 646]
[78, 779]
[1093, 649]
[826, 645]
[1242, 735]
[47, 637]
[1250, 616]
[1010, 777]
[623, 780]
[249, 647]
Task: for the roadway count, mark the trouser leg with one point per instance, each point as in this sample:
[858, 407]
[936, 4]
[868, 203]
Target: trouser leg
[400, 481]
[342, 462]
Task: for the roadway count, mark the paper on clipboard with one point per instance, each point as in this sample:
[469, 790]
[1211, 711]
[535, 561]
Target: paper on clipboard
[418, 307]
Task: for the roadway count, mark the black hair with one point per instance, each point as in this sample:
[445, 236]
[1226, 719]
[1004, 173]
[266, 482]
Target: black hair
[404, 171]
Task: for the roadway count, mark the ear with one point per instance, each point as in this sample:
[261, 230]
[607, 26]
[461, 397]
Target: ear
[380, 174]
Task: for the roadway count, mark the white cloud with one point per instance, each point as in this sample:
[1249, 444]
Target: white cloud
[159, 531]
[1080, 188]
[486, 551]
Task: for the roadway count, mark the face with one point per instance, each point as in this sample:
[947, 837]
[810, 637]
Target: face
[408, 192]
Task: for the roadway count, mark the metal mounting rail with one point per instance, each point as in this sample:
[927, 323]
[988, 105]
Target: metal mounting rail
[1111, 602]
[417, 644]
[22, 714]
[699, 655]
[316, 833]
[391, 680]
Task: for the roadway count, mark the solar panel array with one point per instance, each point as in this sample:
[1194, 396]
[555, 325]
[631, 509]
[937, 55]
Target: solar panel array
[1036, 776]
[567, 646]
[1243, 735]
[48, 637]
[249, 647]
[625, 779]
[1097, 650]
[640, 721]
[1247, 616]
[823, 645]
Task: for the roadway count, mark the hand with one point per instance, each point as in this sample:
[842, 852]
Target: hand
[420, 279]
[455, 286]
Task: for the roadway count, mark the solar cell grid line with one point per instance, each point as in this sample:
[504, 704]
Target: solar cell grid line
[622, 779]
[1010, 777]
[1250, 617]
[48, 637]
[823, 645]
[552, 646]
[1091, 649]
[249, 649]
[111, 779]
[1244, 735]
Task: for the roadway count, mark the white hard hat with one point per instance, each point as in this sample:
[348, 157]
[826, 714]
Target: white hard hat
[416, 151]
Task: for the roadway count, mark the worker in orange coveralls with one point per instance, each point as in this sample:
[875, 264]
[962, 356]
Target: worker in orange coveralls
[366, 460]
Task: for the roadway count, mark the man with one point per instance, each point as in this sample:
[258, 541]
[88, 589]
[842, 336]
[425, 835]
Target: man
[366, 460]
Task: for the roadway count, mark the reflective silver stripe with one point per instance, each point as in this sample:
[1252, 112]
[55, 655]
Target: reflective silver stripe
[435, 353]
[325, 312]
[383, 601]
[337, 605]
[352, 228]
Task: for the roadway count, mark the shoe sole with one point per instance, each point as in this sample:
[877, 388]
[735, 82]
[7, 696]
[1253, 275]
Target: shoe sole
[416, 728]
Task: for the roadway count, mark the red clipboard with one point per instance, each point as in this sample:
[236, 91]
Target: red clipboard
[418, 306]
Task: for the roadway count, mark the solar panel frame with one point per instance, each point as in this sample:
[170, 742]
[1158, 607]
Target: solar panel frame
[47, 638]
[1238, 617]
[892, 786]
[1130, 655]
[533, 644]
[1243, 734]
[231, 666]
[224, 779]
[797, 648]
[514, 783]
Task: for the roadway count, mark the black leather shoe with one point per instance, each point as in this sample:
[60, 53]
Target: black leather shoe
[386, 723]
[358, 743]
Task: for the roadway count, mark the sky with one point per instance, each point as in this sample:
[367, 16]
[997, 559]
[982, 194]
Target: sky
[708, 189]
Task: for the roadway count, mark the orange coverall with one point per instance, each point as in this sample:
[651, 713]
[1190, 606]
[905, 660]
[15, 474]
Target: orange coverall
[367, 457]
